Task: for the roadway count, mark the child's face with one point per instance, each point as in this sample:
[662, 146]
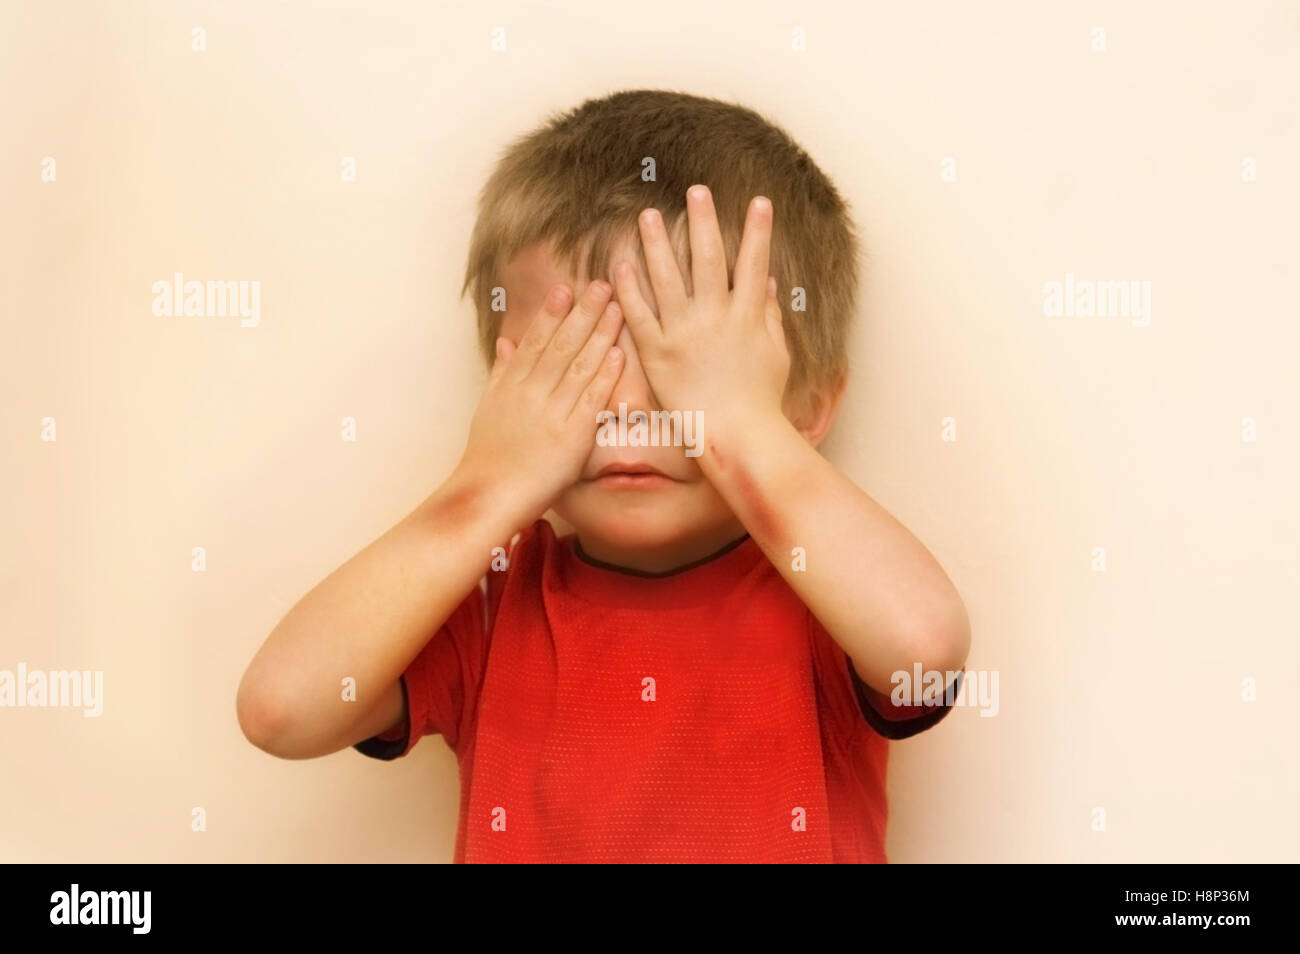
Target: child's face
[648, 522]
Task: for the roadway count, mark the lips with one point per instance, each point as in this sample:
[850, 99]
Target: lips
[633, 469]
[631, 475]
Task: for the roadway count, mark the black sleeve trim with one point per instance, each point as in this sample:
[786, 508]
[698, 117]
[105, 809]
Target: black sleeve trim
[903, 728]
[389, 749]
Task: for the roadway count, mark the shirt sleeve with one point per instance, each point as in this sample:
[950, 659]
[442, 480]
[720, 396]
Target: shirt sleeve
[899, 721]
[877, 709]
[441, 683]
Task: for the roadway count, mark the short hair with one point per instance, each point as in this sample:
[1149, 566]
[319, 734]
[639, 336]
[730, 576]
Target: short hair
[576, 181]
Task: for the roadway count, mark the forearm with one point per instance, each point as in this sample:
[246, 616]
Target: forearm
[873, 585]
[368, 619]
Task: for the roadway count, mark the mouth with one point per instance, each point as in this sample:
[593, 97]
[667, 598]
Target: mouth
[631, 476]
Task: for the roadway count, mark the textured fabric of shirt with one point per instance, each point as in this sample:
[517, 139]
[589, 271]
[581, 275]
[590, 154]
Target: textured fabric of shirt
[606, 716]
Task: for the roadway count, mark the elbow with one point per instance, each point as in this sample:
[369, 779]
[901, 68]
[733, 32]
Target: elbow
[262, 717]
[944, 645]
[922, 648]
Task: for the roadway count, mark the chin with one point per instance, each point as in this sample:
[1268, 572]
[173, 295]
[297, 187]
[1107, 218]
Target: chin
[636, 520]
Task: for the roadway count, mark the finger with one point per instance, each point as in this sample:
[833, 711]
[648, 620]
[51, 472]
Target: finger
[753, 259]
[628, 344]
[772, 313]
[596, 394]
[572, 334]
[640, 319]
[661, 263]
[555, 306]
[708, 255]
[587, 363]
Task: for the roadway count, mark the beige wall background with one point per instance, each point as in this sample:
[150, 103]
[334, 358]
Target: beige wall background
[1120, 689]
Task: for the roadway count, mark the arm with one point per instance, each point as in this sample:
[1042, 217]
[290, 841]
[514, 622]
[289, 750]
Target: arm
[878, 592]
[368, 620]
[873, 585]
[371, 617]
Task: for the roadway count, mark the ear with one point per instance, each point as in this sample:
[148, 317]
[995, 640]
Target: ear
[814, 413]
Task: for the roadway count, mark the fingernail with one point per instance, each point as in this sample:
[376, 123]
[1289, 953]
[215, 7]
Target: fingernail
[700, 191]
[600, 287]
[650, 216]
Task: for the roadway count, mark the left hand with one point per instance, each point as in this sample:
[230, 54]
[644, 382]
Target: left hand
[720, 351]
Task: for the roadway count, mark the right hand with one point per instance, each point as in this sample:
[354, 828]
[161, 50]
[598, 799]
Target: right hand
[536, 423]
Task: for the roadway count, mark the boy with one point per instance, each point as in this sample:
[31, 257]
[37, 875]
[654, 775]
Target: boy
[701, 672]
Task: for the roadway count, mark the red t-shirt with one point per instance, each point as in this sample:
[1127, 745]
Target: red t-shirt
[601, 715]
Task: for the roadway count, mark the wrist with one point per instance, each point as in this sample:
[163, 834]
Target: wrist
[758, 467]
[743, 433]
[483, 500]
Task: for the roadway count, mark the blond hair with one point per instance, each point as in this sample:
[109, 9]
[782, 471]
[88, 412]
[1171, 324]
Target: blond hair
[577, 182]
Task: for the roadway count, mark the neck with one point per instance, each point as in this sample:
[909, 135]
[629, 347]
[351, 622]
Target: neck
[666, 558]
